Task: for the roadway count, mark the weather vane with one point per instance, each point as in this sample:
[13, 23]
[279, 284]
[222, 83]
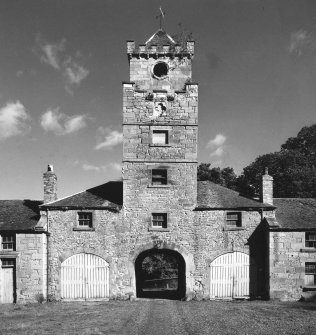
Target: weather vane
[161, 16]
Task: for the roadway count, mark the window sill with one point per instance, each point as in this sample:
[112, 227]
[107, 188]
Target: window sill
[9, 254]
[159, 145]
[309, 288]
[83, 229]
[311, 250]
[158, 186]
[158, 229]
[233, 228]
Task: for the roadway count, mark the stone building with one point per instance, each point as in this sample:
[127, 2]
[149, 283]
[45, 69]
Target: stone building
[97, 243]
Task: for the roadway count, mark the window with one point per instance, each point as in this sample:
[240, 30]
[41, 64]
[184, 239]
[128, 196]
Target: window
[8, 242]
[310, 240]
[159, 220]
[85, 220]
[233, 219]
[7, 263]
[159, 177]
[160, 70]
[160, 137]
[310, 273]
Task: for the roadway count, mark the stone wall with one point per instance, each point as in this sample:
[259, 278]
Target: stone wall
[287, 264]
[31, 267]
[179, 73]
[140, 194]
[182, 107]
[199, 236]
[64, 241]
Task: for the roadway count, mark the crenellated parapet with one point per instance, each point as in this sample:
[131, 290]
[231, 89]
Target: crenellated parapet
[156, 51]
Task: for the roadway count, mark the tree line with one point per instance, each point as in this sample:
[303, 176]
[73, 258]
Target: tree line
[293, 168]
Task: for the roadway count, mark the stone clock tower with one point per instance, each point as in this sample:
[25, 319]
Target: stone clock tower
[160, 129]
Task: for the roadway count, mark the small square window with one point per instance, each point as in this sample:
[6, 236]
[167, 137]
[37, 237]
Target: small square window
[310, 273]
[7, 263]
[85, 219]
[159, 177]
[8, 242]
[159, 220]
[233, 219]
[310, 239]
[160, 137]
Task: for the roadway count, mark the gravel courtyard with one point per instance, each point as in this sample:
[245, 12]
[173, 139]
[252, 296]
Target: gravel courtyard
[163, 317]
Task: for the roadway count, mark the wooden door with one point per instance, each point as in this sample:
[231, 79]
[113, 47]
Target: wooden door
[7, 283]
[229, 276]
[84, 277]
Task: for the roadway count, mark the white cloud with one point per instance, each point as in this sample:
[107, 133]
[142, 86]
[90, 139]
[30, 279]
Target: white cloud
[75, 123]
[218, 140]
[103, 168]
[51, 52]
[75, 73]
[115, 166]
[218, 152]
[71, 67]
[89, 167]
[108, 138]
[61, 124]
[13, 117]
[301, 41]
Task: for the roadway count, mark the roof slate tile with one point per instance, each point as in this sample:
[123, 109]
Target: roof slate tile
[19, 214]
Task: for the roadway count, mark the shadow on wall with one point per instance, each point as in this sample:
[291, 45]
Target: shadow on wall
[259, 267]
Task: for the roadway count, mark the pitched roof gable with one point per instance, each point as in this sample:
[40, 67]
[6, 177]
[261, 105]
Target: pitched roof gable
[160, 38]
[108, 195]
[214, 196]
[296, 213]
[19, 215]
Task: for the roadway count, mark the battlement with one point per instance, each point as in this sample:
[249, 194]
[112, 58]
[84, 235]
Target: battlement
[155, 51]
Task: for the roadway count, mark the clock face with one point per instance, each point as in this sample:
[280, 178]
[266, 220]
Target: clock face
[160, 109]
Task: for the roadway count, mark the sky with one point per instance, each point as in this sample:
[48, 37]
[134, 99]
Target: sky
[62, 63]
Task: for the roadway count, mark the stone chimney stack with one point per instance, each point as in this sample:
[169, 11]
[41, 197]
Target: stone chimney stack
[50, 185]
[266, 194]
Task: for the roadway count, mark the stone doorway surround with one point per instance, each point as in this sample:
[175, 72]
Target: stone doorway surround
[172, 288]
[189, 266]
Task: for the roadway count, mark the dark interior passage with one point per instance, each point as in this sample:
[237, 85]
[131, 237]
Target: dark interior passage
[160, 273]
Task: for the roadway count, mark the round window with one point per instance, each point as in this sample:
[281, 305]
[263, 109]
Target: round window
[160, 70]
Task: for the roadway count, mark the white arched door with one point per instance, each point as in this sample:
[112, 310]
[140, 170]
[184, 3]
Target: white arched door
[229, 276]
[84, 276]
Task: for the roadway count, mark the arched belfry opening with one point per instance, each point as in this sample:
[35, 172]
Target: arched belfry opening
[160, 273]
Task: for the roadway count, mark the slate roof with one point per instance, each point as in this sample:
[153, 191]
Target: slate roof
[160, 38]
[108, 195]
[19, 215]
[296, 213]
[214, 196]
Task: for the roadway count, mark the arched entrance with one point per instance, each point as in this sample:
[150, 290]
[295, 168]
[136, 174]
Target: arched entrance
[160, 273]
[84, 277]
[229, 276]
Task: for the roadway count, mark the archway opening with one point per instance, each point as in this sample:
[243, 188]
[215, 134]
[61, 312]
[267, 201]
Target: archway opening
[160, 273]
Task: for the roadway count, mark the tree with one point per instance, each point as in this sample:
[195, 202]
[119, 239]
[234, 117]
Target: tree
[225, 177]
[159, 266]
[293, 168]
